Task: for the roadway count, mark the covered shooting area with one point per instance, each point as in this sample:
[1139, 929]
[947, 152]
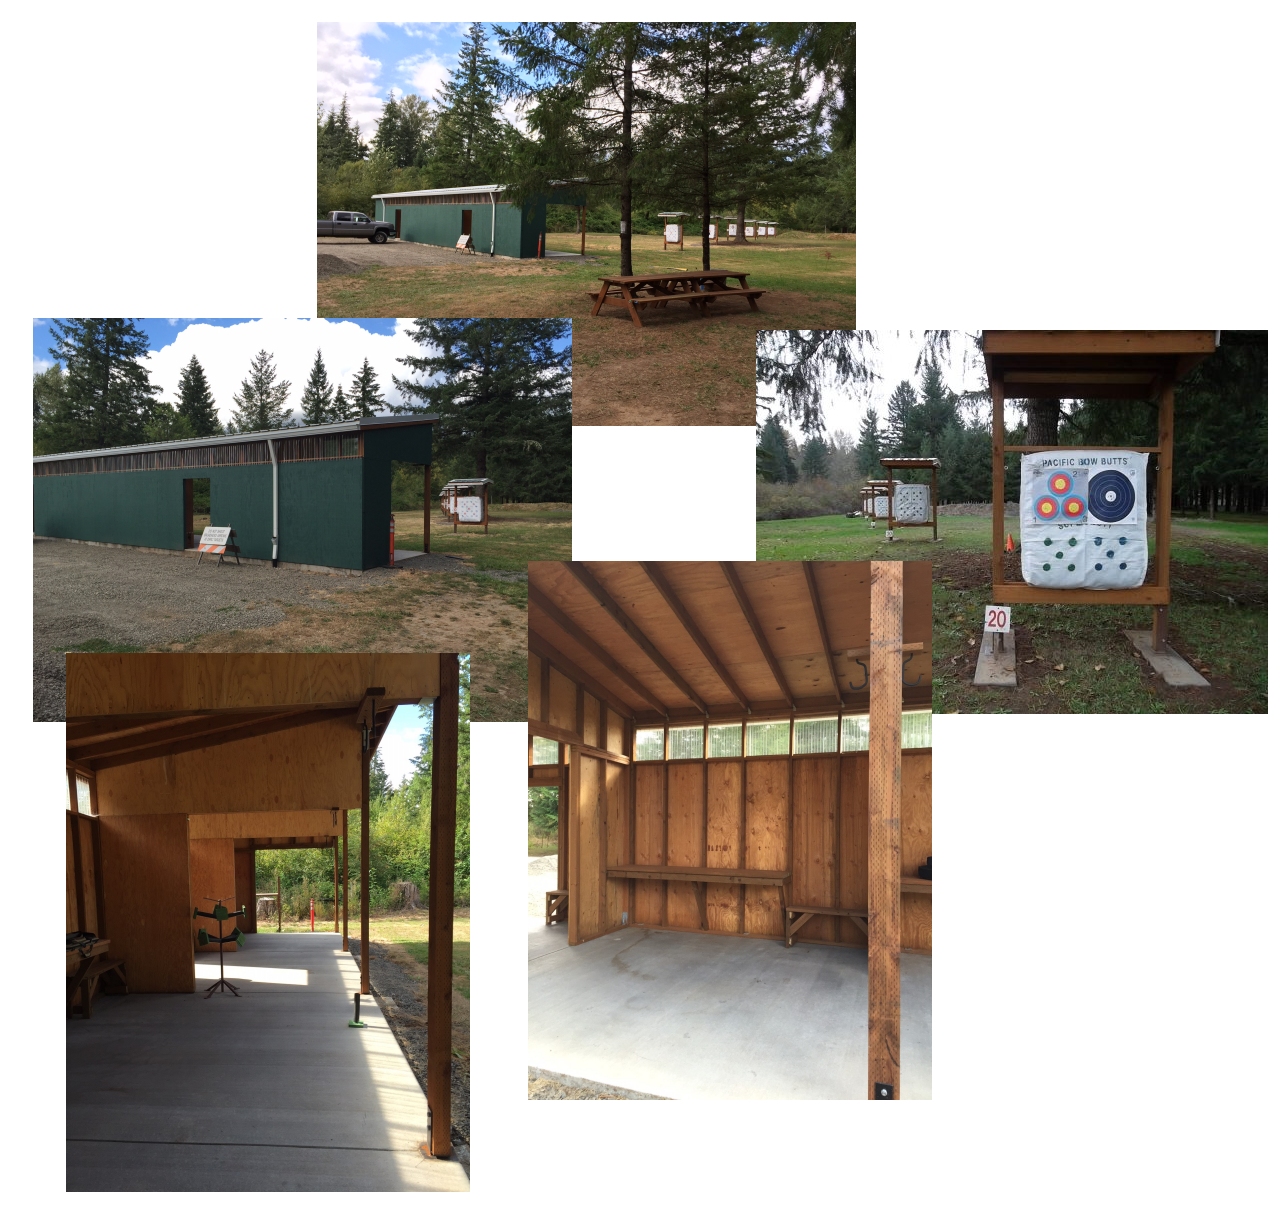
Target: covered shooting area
[1108, 365]
[743, 762]
[180, 766]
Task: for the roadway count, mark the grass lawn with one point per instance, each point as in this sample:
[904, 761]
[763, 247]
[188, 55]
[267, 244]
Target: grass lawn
[1075, 658]
[680, 368]
[518, 533]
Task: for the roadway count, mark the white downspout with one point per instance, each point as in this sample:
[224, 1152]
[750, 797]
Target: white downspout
[275, 503]
[493, 218]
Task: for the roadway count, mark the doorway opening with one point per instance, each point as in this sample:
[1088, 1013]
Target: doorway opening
[466, 222]
[195, 509]
[397, 223]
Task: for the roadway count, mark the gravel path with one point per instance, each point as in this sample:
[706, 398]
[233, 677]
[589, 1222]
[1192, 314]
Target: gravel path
[552, 1086]
[399, 995]
[343, 257]
[140, 599]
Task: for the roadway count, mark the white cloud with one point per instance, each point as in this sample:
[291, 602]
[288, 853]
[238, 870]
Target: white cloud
[424, 75]
[39, 365]
[226, 352]
[342, 68]
[400, 743]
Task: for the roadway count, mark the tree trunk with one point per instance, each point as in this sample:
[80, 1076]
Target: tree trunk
[741, 237]
[625, 173]
[1043, 420]
[706, 201]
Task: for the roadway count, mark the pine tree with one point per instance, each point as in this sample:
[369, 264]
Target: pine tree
[342, 409]
[503, 396]
[773, 456]
[378, 784]
[164, 422]
[827, 48]
[195, 401]
[471, 139]
[870, 449]
[898, 413]
[814, 458]
[366, 400]
[404, 131]
[338, 137]
[261, 400]
[48, 389]
[107, 391]
[934, 413]
[317, 395]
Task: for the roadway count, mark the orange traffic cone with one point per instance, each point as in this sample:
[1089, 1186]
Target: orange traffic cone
[1009, 543]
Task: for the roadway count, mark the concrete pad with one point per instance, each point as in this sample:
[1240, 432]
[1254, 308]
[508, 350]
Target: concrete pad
[1172, 668]
[267, 1091]
[996, 666]
[715, 1017]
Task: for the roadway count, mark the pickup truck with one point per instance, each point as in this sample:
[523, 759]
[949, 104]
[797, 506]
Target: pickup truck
[355, 226]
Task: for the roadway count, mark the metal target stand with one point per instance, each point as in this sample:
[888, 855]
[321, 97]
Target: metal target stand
[220, 914]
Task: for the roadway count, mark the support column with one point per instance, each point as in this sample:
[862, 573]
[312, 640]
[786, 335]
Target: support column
[998, 480]
[427, 508]
[346, 882]
[367, 736]
[335, 883]
[440, 902]
[884, 846]
[1164, 498]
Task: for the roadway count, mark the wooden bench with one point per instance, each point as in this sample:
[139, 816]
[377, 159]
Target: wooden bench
[858, 916]
[84, 973]
[701, 876]
[557, 906]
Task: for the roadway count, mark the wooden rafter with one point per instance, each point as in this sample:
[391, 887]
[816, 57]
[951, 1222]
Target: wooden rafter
[580, 573]
[745, 605]
[552, 656]
[822, 631]
[581, 638]
[659, 581]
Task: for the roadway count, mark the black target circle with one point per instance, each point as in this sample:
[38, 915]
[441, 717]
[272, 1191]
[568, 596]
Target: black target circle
[1111, 495]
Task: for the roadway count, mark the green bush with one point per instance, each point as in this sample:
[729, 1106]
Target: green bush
[781, 501]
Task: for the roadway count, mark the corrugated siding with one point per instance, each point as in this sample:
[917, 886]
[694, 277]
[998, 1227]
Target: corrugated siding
[209, 456]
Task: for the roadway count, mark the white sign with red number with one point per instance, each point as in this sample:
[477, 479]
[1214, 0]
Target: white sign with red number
[997, 619]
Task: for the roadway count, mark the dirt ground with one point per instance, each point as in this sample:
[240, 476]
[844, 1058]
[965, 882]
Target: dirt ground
[549, 1086]
[343, 257]
[116, 599]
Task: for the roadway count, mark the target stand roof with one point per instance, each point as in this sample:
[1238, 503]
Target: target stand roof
[1071, 363]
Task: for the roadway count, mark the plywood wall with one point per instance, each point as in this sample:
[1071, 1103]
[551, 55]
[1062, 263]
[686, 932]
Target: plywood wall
[147, 889]
[213, 874]
[597, 823]
[82, 875]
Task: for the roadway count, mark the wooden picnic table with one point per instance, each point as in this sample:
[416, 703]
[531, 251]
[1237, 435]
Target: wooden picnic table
[697, 287]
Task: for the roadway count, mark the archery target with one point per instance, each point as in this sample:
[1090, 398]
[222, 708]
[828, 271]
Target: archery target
[912, 503]
[470, 510]
[881, 506]
[1083, 518]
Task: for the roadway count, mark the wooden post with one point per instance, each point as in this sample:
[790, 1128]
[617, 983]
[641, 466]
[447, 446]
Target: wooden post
[884, 854]
[582, 230]
[427, 508]
[1164, 498]
[440, 902]
[335, 883]
[998, 480]
[365, 756]
[279, 905]
[934, 500]
[346, 883]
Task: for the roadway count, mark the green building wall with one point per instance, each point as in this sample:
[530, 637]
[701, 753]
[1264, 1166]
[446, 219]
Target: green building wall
[333, 513]
[516, 231]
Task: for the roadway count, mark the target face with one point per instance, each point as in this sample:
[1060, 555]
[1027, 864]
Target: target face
[1111, 496]
[1047, 509]
[1073, 508]
[1060, 483]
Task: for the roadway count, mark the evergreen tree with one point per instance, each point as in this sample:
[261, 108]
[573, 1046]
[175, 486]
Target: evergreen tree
[404, 131]
[366, 400]
[933, 414]
[773, 456]
[164, 422]
[898, 414]
[814, 458]
[317, 395]
[107, 393]
[870, 449]
[826, 48]
[503, 396]
[48, 389]
[261, 400]
[590, 91]
[342, 409]
[378, 784]
[338, 137]
[471, 139]
[195, 401]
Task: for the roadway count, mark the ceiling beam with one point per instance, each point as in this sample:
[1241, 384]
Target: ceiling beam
[254, 727]
[745, 605]
[659, 581]
[822, 630]
[151, 735]
[580, 573]
[580, 637]
[580, 676]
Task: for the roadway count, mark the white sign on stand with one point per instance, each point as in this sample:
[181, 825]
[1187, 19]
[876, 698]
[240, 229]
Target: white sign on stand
[997, 619]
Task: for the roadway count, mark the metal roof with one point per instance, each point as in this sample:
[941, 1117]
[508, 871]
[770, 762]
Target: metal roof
[467, 482]
[484, 187]
[249, 437]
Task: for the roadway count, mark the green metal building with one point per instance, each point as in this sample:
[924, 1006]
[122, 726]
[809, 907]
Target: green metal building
[497, 225]
[308, 495]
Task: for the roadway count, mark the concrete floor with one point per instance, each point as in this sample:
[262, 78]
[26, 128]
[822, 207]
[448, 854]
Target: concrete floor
[268, 1091]
[715, 1017]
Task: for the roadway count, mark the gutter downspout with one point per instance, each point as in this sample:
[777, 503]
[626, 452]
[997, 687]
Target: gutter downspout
[493, 218]
[275, 503]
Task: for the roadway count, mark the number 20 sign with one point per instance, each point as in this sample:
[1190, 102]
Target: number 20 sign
[996, 619]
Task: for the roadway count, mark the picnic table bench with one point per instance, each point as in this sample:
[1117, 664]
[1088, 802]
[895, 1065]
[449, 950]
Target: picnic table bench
[698, 288]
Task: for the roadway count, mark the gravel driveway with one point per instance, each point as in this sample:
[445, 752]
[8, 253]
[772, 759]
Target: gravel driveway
[343, 257]
[137, 599]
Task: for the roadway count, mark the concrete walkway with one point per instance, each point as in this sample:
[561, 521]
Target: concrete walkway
[715, 1016]
[269, 1091]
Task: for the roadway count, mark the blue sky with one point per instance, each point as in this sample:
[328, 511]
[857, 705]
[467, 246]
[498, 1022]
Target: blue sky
[370, 61]
[226, 348]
